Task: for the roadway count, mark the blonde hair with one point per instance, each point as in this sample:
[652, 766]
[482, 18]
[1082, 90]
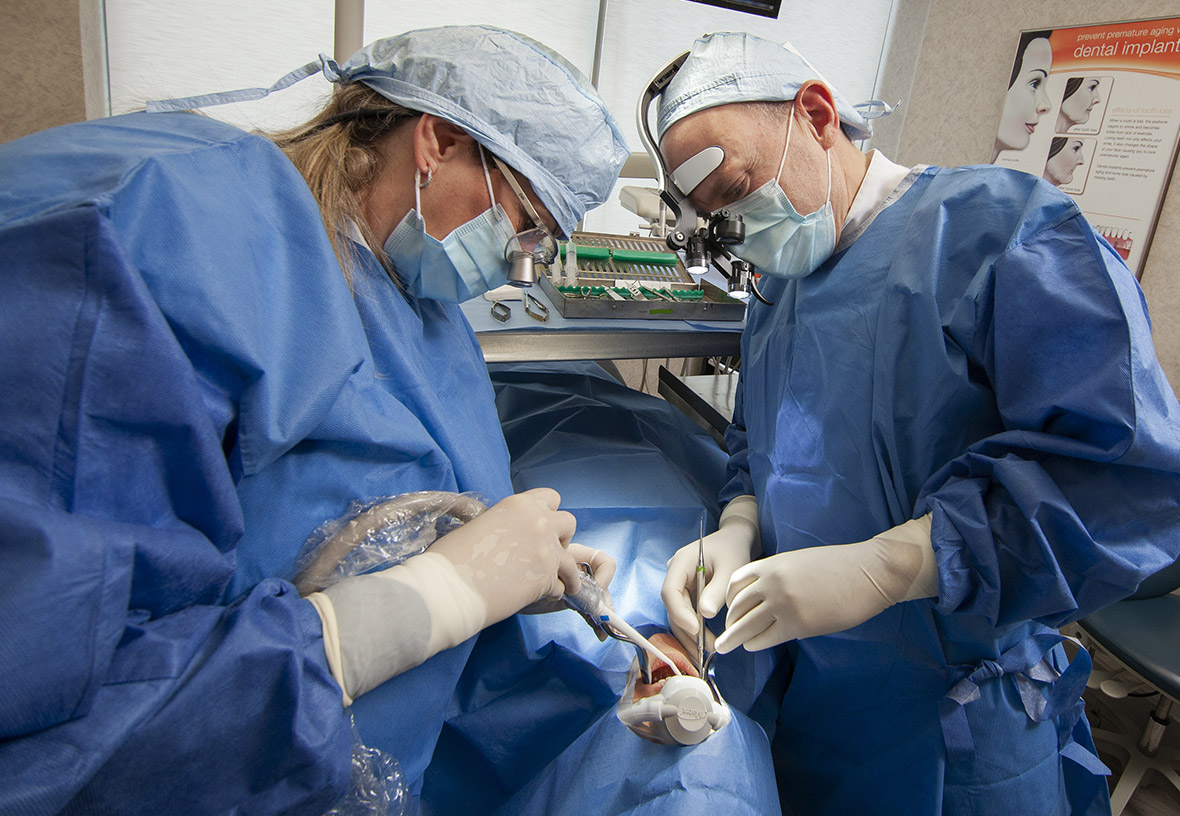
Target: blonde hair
[338, 154]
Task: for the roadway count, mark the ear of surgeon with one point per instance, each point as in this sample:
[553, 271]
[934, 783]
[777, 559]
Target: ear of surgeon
[443, 210]
[754, 136]
[456, 193]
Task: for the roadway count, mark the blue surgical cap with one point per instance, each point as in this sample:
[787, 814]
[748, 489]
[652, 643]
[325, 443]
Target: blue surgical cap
[519, 99]
[516, 97]
[732, 67]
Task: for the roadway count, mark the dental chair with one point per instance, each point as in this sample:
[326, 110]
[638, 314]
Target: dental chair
[1143, 633]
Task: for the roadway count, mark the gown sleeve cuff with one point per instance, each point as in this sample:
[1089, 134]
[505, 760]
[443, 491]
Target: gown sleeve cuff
[323, 607]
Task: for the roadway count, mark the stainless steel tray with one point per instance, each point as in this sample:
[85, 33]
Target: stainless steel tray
[713, 303]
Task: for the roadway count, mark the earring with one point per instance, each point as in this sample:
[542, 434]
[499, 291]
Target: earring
[429, 177]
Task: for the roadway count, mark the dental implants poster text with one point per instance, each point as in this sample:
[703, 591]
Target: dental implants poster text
[1095, 111]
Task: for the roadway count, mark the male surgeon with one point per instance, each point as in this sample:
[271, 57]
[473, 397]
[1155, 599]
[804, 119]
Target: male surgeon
[951, 437]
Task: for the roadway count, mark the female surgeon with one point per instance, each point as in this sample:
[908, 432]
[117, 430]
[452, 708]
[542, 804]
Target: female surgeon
[192, 386]
[1026, 101]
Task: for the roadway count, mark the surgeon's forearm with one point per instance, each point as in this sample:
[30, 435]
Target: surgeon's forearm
[379, 625]
[742, 513]
[905, 567]
[247, 675]
[403, 640]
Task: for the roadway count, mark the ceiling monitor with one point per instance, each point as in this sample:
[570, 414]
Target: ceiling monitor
[763, 8]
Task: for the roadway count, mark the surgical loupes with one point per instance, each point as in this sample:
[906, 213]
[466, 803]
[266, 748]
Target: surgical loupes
[705, 245]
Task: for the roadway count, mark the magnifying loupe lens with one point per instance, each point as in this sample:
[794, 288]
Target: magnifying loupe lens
[534, 242]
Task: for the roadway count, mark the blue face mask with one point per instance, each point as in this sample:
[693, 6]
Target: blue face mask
[463, 265]
[779, 241]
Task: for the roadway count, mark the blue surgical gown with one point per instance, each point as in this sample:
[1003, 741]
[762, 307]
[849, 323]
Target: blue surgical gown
[980, 354]
[190, 389]
[532, 723]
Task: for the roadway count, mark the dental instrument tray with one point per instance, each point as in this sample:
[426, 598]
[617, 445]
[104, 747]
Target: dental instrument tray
[631, 277]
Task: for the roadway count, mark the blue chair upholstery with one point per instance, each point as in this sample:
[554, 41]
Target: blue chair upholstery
[1165, 581]
[1144, 634]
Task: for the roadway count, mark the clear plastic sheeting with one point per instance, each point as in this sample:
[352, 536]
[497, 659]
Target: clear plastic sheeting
[381, 533]
[376, 784]
[377, 534]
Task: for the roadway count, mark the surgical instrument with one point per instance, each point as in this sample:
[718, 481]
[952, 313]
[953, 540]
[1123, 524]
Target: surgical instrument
[634, 256]
[702, 245]
[535, 308]
[700, 591]
[571, 265]
[685, 710]
[592, 603]
[501, 311]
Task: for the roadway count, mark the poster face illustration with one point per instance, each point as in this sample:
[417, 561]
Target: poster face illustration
[1095, 111]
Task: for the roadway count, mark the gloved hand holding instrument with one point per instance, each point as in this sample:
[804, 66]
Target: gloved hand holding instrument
[798, 594]
[735, 544]
[498, 562]
[822, 590]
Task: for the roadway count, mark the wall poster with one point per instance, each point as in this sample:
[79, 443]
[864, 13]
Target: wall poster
[1095, 110]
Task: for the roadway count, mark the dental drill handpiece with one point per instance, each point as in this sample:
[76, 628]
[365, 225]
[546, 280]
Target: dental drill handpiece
[591, 599]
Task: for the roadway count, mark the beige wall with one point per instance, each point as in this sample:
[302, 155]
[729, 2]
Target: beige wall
[42, 44]
[963, 52]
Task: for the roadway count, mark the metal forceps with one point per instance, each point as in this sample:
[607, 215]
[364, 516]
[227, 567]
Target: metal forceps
[703, 660]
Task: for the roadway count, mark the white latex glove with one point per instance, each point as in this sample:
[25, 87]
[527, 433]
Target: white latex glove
[379, 625]
[822, 590]
[601, 564]
[735, 544]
